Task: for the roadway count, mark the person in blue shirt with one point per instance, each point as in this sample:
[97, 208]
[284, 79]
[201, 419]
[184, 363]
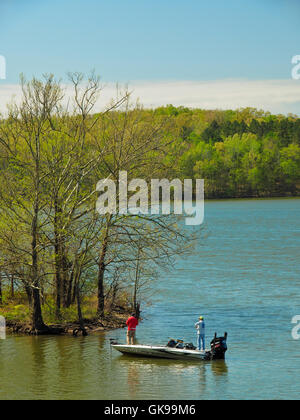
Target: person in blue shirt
[200, 325]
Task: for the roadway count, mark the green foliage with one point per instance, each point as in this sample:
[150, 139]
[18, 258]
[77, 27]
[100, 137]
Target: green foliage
[239, 153]
[66, 315]
[11, 312]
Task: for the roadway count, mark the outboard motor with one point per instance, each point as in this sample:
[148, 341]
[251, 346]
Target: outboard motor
[218, 347]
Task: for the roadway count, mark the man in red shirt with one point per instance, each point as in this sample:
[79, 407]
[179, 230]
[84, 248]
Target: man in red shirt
[131, 322]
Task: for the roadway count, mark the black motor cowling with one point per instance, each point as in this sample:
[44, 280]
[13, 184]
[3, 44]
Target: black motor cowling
[218, 347]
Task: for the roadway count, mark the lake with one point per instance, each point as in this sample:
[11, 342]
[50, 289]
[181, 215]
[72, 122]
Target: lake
[243, 277]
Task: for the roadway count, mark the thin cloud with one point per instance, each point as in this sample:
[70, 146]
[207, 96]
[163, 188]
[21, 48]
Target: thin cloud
[276, 96]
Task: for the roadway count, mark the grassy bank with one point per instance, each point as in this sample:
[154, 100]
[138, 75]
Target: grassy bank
[18, 314]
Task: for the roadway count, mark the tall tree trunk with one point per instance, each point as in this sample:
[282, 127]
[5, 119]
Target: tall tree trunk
[138, 311]
[12, 287]
[101, 298]
[57, 283]
[28, 291]
[73, 299]
[114, 295]
[101, 271]
[37, 318]
[137, 279]
[79, 312]
[1, 299]
[70, 286]
[65, 277]
[57, 249]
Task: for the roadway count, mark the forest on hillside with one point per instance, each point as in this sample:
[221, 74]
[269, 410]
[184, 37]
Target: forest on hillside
[241, 153]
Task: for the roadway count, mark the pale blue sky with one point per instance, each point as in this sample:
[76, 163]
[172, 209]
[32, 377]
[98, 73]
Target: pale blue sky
[153, 40]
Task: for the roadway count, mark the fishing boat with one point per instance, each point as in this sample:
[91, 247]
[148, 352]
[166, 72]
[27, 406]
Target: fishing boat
[176, 349]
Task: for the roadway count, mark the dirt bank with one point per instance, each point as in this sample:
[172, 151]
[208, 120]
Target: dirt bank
[113, 321]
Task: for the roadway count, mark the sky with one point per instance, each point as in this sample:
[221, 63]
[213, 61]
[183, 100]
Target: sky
[198, 53]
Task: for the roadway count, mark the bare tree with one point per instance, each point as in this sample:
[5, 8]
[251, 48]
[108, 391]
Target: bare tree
[22, 138]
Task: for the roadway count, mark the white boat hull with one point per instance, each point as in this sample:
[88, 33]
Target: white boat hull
[162, 352]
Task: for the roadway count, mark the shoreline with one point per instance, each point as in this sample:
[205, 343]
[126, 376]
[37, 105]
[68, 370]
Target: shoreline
[269, 197]
[114, 321]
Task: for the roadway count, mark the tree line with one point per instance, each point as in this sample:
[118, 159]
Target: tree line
[242, 153]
